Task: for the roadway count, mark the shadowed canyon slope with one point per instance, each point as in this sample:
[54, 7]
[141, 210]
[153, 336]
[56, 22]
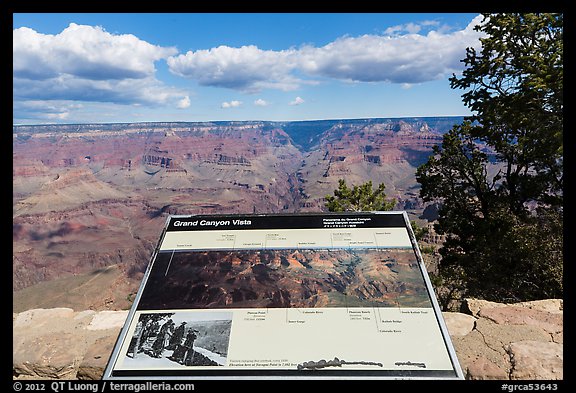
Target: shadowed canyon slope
[90, 201]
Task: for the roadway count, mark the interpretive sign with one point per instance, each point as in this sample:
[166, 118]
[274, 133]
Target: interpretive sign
[334, 295]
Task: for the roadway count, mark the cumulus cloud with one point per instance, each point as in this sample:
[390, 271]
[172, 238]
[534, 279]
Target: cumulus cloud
[260, 102]
[86, 63]
[146, 91]
[410, 58]
[410, 28]
[296, 101]
[247, 68]
[231, 104]
[406, 58]
[87, 52]
[45, 110]
[183, 103]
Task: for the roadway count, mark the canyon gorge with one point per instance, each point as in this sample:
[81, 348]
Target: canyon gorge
[91, 200]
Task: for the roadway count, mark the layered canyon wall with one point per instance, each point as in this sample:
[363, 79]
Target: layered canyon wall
[90, 201]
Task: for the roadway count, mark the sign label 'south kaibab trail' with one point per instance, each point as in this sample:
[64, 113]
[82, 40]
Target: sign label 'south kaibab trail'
[335, 295]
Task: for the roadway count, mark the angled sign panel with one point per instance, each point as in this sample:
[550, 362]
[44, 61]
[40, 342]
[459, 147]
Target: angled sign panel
[285, 296]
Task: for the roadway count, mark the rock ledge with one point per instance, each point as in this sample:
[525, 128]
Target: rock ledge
[521, 341]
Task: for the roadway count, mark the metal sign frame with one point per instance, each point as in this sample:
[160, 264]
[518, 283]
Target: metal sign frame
[399, 334]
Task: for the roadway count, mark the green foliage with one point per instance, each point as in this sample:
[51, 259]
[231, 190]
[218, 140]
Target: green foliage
[131, 296]
[427, 249]
[419, 232]
[499, 175]
[358, 198]
[515, 89]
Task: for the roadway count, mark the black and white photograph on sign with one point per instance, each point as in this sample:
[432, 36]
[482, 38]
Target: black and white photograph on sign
[179, 339]
[285, 279]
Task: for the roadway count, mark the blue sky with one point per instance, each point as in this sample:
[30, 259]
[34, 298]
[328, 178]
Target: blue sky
[79, 68]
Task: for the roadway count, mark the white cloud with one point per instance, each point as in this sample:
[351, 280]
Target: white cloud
[45, 110]
[296, 101]
[145, 91]
[399, 58]
[183, 103]
[410, 28]
[86, 52]
[247, 68]
[231, 104]
[86, 63]
[410, 58]
[260, 102]
[58, 116]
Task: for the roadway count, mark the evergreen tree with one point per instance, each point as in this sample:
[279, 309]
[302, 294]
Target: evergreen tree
[499, 175]
[358, 198]
[364, 198]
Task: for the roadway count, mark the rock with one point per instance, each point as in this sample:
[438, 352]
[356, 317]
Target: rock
[478, 360]
[96, 358]
[550, 305]
[497, 335]
[53, 343]
[483, 354]
[40, 317]
[43, 345]
[483, 369]
[515, 315]
[85, 314]
[458, 324]
[51, 356]
[108, 320]
[558, 337]
[473, 306]
[536, 360]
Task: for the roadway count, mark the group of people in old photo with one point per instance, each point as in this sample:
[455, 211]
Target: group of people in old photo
[157, 333]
